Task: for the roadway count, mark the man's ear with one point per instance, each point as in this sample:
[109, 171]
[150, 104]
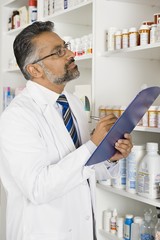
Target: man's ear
[35, 70]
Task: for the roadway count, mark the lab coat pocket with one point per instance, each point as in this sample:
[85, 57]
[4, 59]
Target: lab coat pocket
[51, 236]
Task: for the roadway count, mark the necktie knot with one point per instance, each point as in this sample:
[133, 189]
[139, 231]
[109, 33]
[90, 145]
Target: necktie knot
[62, 100]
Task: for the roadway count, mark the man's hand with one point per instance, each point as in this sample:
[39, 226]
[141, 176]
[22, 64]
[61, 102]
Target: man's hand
[123, 147]
[102, 128]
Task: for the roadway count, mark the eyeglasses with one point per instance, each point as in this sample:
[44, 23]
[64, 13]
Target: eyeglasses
[59, 53]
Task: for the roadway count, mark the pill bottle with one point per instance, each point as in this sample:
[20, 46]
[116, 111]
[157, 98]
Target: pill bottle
[32, 10]
[111, 32]
[133, 37]
[152, 116]
[113, 221]
[102, 111]
[145, 120]
[107, 220]
[122, 109]
[120, 227]
[132, 165]
[125, 38]
[156, 16]
[144, 33]
[120, 182]
[153, 33]
[118, 40]
[127, 226]
[149, 172]
[14, 14]
[109, 109]
[116, 110]
[158, 117]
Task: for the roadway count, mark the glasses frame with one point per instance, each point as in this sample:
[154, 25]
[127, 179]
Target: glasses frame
[60, 52]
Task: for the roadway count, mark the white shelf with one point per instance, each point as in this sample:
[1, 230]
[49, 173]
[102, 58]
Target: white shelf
[15, 3]
[147, 129]
[121, 192]
[109, 236]
[152, 3]
[149, 51]
[84, 61]
[12, 70]
[80, 14]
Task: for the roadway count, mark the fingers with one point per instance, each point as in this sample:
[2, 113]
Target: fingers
[124, 146]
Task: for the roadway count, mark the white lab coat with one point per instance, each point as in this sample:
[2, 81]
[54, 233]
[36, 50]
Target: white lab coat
[44, 176]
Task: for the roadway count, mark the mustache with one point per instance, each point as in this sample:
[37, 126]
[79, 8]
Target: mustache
[70, 61]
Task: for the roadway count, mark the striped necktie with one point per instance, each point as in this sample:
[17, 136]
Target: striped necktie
[68, 120]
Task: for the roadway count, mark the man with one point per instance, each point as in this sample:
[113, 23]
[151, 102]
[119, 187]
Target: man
[49, 189]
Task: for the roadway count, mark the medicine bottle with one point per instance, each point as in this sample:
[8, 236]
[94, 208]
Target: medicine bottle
[113, 221]
[102, 111]
[109, 109]
[153, 33]
[147, 229]
[127, 226]
[132, 164]
[135, 228]
[118, 40]
[158, 30]
[120, 182]
[133, 37]
[125, 38]
[12, 18]
[144, 33]
[149, 172]
[111, 32]
[152, 116]
[158, 117]
[120, 227]
[156, 16]
[116, 110]
[107, 220]
[32, 10]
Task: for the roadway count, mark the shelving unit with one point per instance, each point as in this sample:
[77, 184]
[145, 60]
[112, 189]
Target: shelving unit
[147, 52]
[124, 193]
[109, 236]
[153, 3]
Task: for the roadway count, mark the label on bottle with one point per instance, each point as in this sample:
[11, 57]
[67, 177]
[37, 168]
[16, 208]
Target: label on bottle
[127, 232]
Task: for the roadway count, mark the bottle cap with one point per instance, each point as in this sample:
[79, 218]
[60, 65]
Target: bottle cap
[133, 29]
[114, 212]
[129, 216]
[138, 220]
[32, 3]
[144, 27]
[152, 146]
[124, 31]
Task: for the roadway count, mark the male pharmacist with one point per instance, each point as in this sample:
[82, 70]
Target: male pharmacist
[44, 145]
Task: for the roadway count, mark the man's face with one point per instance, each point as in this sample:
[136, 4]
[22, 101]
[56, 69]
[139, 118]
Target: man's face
[57, 69]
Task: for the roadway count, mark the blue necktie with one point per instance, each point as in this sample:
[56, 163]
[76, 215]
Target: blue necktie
[68, 120]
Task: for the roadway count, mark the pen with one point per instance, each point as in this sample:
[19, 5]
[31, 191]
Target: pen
[95, 118]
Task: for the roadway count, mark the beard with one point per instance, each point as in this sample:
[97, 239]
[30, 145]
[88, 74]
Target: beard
[68, 75]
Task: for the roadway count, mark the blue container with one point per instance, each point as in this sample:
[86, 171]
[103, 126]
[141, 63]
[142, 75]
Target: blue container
[127, 226]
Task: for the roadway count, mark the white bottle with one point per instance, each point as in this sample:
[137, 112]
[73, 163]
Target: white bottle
[113, 221]
[135, 228]
[149, 173]
[120, 182]
[120, 227]
[132, 164]
[107, 220]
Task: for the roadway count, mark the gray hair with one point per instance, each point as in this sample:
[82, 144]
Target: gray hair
[24, 48]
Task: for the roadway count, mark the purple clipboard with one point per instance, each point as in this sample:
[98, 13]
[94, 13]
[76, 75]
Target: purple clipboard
[124, 124]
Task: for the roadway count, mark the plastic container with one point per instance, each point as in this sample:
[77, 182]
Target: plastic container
[111, 43]
[127, 226]
[32, 11]
[144, 33]
[147, 229]
[153, 33]
[152, 116]
[149, 173]
[118, 40]
[132, 165]
[133, 37]
[125, 38]
[135, 228]
[120, 182]
[107, 220]
[102, 111]
[113, 221]
[120, 227]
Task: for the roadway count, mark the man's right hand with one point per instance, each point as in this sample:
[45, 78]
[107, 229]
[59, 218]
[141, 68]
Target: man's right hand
[102, 127]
